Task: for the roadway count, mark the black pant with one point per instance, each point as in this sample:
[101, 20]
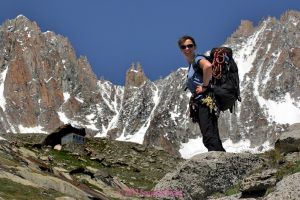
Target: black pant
[208, 123]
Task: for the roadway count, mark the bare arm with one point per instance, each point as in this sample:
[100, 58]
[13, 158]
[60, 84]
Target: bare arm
[206, 66]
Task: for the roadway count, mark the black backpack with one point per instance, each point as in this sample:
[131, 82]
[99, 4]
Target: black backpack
[225, 78]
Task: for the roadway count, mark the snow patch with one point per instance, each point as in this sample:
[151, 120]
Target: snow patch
[79, 100]
[62, 117]
[138, 137]
[91, 120]
[245, 146]
[272, 65]
[66, 96]
[282, 112]
[36, 129]
[245, 56]
[174, 115]
[192, 147]
[48, 79]
[196, 146]
[90, 117]
[20, 16]
[1, 138]
[105, 91]
[133, 70]
[2, 98]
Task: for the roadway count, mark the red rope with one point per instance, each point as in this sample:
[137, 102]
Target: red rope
[218, 61]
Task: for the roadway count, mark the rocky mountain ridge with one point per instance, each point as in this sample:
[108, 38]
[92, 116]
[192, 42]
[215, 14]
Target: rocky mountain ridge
[44, 85]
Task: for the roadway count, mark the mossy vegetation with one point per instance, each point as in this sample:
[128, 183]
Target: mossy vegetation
[276, 160]
[135, 165]
[233, 190]
[4, 160]
[10, 190]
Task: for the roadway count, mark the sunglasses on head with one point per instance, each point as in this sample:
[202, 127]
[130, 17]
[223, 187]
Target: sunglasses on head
[186, 46]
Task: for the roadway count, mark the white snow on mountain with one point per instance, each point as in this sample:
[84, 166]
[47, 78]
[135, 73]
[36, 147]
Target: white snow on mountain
[285, 111]
[247, 54]
[66, 96]
[139, 136]
[105, 91]
[37, 129]
[196, 146]
[2, 98]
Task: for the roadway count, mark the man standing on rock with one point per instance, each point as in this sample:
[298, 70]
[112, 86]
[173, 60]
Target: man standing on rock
[199, 76]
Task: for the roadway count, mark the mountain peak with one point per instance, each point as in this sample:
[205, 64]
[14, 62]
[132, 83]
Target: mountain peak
[245, 29]
[135, 75]
[22, 17]
[21, 24]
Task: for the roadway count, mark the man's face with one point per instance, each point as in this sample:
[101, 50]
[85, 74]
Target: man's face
[187, 48]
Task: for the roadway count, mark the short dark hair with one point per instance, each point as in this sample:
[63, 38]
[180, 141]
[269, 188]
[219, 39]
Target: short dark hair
[184, 38]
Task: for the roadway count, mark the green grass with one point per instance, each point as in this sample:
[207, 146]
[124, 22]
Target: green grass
[233, 190]
[287, 169]
[72, 160]
[296, 168]
[143, 179]
[10, 190]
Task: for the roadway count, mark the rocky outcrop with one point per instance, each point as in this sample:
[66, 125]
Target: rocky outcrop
[135, 76]
[104, 169]
[258, 183]
[208, 173]
[289, 141]
[272, 175]
[287, 188]
[44, 84]
[245, 29]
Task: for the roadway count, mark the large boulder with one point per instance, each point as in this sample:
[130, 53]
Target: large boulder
[207, 173]
[287, 188]
[257, 184]
[289, 141]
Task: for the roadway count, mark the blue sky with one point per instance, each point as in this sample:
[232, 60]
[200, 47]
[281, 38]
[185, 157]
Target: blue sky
[114, 33]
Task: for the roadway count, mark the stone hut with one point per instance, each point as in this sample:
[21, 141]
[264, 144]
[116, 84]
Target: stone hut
[72, 138]
[65, 133]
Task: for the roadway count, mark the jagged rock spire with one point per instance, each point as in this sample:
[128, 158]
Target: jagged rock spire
[135, 75]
